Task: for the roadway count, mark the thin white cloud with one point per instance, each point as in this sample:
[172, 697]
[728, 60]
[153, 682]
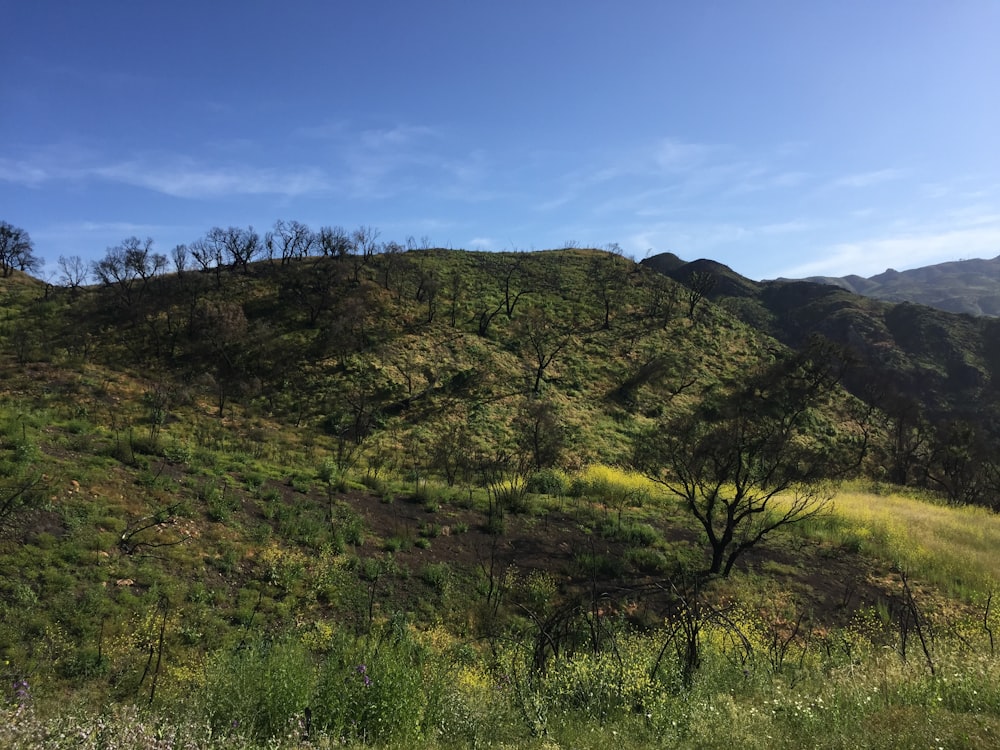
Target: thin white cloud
[327, 130]
[23, 173]
[186, 178]
[666, 175]
[867, 179]
[178, 176]
[400, 136]
[786, 227]
[672, 154]
[407, 159]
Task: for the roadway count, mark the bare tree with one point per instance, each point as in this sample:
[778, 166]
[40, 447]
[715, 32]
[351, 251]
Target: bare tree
[290, 240]
[427, 283]
[365, 240]
[179, 255]
[19, 494]
[206, 254]
[335, 242]
[16, 250]
[608, 277]
[543, 336]
[73, 271]
[238, 246]
[224, 339]
[127, 268]
[505, 271]
[699, 285]
[391, 260]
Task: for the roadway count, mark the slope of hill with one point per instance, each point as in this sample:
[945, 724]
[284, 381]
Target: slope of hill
[337, 473]
[965, 286]
[944, 362]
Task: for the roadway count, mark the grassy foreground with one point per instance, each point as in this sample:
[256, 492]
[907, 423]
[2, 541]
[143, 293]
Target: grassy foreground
[843, 691]
[731, 672]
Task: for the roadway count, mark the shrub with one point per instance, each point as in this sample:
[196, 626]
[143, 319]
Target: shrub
[646, 560]
[379, 690]
[437, 576]
[258, 688]
[547, 482]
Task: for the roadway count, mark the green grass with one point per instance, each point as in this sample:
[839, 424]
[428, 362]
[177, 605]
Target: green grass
[252, 557]
[406, 687]
[953, 548]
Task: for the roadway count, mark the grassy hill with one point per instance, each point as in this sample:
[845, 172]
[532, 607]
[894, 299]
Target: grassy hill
[392, 489]
[932, 375]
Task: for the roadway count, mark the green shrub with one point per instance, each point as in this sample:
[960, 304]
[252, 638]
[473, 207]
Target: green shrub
[630, 532]
[547, 482]
[219, 501]
[258, 688]
[375, 483]
[300, 483]
[382, 690]
[394, 544]
[646, 560]
[437, 575]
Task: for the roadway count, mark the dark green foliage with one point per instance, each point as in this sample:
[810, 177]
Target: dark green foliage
[547, 482]
[378, 690]
[736, 453]
[256, 687]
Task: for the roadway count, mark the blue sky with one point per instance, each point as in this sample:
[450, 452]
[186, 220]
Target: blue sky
[781, 138]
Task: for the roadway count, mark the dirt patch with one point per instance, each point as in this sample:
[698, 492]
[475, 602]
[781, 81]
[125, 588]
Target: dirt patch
[826, 584]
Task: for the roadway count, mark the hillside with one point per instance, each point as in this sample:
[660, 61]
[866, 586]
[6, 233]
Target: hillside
[930, 376]
[284, 471]
[965, 286]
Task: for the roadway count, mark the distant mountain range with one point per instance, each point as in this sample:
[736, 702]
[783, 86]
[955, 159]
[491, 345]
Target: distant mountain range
[963, 286]
[895, 323]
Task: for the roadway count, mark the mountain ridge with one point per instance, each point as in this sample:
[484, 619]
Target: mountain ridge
[963, 286]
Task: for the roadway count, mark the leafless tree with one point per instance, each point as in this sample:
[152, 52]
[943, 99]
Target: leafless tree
[16, 250]
[179, 255]
[238, 246]
[73, 271]
[365, 240]
[335, 242]
[128, 268]
[290, 240]
[543, 335]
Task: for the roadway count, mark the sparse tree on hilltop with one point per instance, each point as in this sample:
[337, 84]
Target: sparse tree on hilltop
[128, 268]
[16, 250]
[293, 239]
[73, 271]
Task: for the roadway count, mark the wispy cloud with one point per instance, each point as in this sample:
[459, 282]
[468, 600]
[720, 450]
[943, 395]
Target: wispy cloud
[672, 154]
[403, 159]
[177, 175]
[701, 239]
[91, 232]
[186, 178]
[23, 173]
[668, 173]
[867, 179]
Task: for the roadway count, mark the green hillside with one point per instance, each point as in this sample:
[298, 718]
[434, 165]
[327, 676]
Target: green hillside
[422, 498]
